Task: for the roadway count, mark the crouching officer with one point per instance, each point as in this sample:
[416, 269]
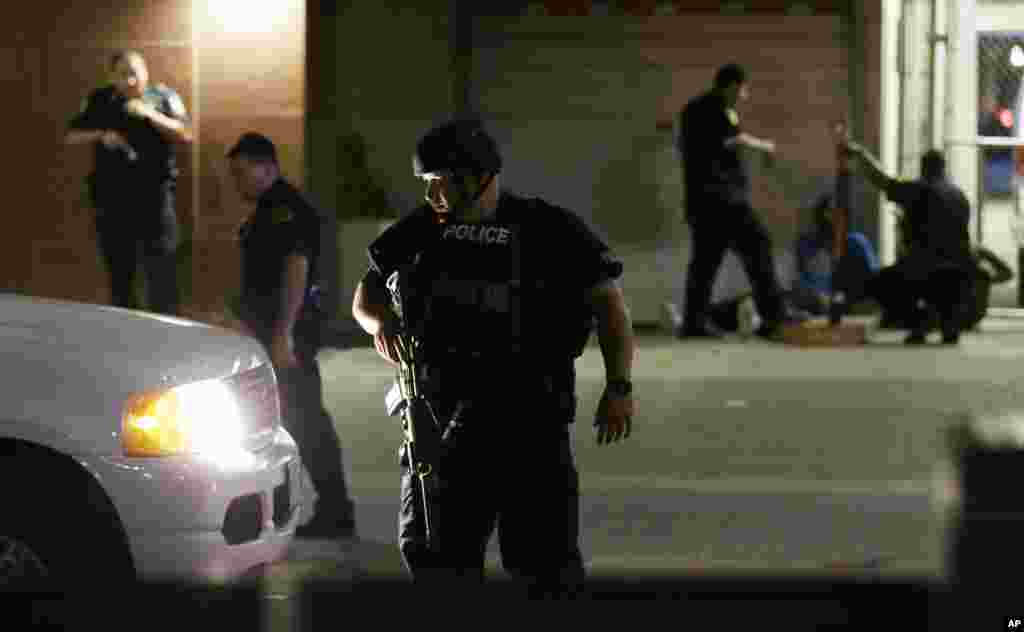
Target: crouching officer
[937, 269]
[501, 322]
[279, 306]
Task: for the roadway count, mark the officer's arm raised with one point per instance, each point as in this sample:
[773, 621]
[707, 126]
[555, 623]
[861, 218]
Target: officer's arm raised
[174, 127]
[872, 169]
[83, 136]
[752, 142]
[82, 128]
[171, 128]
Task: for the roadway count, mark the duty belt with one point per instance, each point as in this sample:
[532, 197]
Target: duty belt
[315, 297]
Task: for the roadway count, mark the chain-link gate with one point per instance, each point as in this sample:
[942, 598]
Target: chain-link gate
[1001, 137]
[1000, 66]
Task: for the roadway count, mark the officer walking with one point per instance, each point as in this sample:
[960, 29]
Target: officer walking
[937, 269]
[134, 126]
[718, 207]
[503, 322]
[280, 306]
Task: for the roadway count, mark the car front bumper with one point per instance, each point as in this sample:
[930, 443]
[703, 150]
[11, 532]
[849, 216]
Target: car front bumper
[202, 520]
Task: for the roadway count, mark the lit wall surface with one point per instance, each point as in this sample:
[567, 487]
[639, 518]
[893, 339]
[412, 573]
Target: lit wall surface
[236, 64]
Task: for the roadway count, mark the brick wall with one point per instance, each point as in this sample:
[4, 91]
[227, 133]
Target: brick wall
[580, 104]
[584, 105]
[56, 52]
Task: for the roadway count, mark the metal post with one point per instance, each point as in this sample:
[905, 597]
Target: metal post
[1020, 283]
[1016, 226]
[1015, 186]
[938, 75]
[962, 104]
[890, 129]
[461, 18]
[979, 235]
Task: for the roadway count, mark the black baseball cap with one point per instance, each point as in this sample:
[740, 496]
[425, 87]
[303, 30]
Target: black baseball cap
[730, 74]
[254, 145]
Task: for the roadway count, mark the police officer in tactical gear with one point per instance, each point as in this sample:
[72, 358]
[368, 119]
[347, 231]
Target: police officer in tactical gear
[508, 289]
[280, 306]
[134, 126]
[936, 272]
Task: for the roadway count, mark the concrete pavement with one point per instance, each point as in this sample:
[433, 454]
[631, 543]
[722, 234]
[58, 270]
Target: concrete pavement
[734, 464]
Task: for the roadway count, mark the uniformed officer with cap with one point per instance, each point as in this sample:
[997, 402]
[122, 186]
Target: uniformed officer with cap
[280, 306]
[509, 288]
[710, 142]
[134, 126]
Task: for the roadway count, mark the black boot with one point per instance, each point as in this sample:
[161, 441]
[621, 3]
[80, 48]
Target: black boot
[916, 337]
[701, 329]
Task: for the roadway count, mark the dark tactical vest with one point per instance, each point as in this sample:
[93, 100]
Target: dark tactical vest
[470, 283]
[493, 322]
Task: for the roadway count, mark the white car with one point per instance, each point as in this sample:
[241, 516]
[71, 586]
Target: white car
[138, 445]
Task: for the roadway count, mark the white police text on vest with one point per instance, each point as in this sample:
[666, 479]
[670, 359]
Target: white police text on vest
[478, 232]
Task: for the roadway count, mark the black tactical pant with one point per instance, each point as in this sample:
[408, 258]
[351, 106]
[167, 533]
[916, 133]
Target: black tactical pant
[918, 295]
[901, 312]
[717, 226]
[309, 423]
[137, 223]
[505, 472]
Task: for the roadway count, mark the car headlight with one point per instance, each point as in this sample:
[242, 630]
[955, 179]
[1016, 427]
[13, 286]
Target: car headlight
[200, 418]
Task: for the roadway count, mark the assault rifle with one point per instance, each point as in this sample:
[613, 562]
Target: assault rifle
[421, 429]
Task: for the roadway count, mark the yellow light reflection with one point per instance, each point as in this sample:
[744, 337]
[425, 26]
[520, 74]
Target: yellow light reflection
[249, 16]
[1017, 56]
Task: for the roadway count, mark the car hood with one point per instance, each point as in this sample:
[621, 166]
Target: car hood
[69, 367]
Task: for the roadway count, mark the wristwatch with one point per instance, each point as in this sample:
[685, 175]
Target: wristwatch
[619, 388]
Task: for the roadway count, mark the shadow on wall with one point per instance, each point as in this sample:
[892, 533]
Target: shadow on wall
[359, 194]
[364, 209]
[637, 194]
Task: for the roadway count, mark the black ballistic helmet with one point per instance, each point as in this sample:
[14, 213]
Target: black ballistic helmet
[459, 146]
[254, 145]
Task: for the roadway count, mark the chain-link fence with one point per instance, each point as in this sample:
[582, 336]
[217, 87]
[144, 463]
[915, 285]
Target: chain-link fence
[1000, 134]
[1000, 67]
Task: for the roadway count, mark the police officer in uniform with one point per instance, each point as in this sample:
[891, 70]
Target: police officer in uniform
[280, 306]
[135, 126]
[508, 289]
[935, 273]
[718, 207]
[989, 270]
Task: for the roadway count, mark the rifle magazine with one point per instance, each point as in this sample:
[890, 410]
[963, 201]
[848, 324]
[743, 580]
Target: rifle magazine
[394, 402]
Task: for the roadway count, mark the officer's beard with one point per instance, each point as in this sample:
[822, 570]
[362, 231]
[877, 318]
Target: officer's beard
[466, 212]
[470, 207]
